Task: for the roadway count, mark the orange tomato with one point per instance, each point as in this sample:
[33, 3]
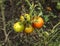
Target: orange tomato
[38, 22]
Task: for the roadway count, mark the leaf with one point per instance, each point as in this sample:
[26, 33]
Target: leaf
[18, 3]
[40, 13]
[46, 18]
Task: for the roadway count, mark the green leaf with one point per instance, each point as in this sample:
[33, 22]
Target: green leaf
[46, 18]
[18, 3]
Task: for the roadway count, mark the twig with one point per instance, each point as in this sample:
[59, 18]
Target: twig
[28, 2]
[54, 32]
[51, 38]
[56, 25]
[4, 23]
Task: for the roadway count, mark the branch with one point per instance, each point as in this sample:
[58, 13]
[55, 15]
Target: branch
[4, 23]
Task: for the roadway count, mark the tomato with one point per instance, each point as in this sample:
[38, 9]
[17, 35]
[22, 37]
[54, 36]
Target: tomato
[18, 27]
[38, 22]
[22, 18]
[27, 17]
[58, 5]
[28, 29]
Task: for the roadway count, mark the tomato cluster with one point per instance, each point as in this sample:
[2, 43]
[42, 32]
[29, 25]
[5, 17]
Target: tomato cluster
[28, 23]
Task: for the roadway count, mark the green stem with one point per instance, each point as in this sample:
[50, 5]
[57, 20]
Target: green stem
[56, 25]
[52, 38]
[28, 3]
[31, 7]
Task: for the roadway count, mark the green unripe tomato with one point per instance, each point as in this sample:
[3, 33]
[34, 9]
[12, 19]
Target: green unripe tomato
[27, 17]
[18, 27]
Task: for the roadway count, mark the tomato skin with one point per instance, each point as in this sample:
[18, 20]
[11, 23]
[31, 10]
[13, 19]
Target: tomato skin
[38, 22]
[18, 27]
[28, 29]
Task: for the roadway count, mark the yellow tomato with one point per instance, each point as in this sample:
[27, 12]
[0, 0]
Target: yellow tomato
[28, 29]
[22, 18]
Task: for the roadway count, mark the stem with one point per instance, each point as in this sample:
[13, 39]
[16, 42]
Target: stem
[54, 32]
[31, 7]
[28, 3]
[56, 25]
[4, 23]
[52, 38]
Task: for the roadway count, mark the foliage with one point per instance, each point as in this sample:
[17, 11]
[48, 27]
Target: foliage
[48, 35]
